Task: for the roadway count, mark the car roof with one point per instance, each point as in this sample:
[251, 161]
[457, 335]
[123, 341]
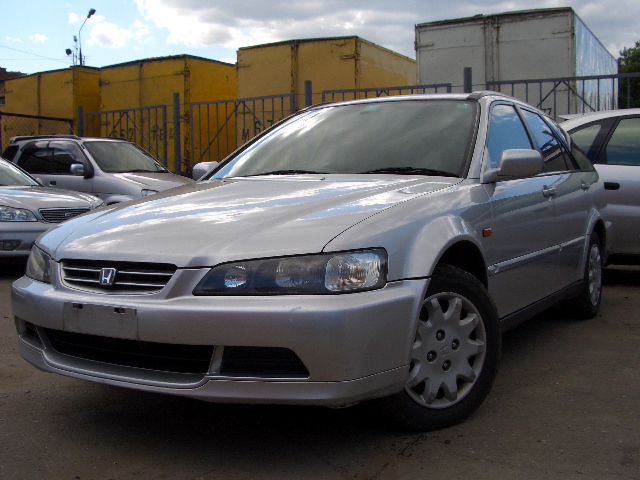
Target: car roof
[585, 118]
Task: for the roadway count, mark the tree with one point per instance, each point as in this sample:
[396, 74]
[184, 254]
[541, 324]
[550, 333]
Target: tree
[629, 62]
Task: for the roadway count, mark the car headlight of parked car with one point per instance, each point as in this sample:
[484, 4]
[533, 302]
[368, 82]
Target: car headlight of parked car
[39, 266]
[10, 214]
[323, 274]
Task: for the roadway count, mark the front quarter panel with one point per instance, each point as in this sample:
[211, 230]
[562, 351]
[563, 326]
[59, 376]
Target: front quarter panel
[417, 232]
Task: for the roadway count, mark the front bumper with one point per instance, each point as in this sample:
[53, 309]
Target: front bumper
[352, 347]
[24, 233]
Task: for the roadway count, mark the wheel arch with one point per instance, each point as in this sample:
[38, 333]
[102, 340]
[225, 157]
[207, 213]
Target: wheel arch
[466, 256]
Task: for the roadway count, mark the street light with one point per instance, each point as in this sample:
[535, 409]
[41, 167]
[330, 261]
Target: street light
[91, 12]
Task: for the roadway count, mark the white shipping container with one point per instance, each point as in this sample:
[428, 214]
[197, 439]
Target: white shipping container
[525, 45]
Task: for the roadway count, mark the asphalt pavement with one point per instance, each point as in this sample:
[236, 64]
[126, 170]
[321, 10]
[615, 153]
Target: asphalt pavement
[565, 405]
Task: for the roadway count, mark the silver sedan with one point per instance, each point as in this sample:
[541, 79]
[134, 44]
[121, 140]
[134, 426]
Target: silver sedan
[27, 209]
[370, 250]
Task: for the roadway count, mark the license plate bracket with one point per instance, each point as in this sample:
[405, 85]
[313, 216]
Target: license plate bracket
[101, 320]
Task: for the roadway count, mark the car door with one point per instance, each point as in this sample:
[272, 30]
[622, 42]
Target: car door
[571, 195]
[618, 163]
[63, 155]
[521, 247]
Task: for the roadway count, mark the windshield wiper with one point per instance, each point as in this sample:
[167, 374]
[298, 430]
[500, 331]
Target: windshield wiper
[286, 172]
[412, 171]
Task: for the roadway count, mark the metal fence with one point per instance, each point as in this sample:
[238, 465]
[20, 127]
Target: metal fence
[218, 128]
[362, 93]
[146, 127]
[573, 95]
[13, 125]
[209, 131]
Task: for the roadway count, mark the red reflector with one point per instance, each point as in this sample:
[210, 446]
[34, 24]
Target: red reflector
[486, 232]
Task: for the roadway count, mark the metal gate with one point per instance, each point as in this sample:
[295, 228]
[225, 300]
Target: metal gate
[13, 125]
[573, 95]
[360, 93]
[146, 127]
[218, 128]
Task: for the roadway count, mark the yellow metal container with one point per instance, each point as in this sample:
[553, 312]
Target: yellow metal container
[151, 83]
[56, 93]
[329, 63]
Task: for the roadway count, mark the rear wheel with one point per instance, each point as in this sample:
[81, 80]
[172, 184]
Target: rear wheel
[587, 304]
[455, 354]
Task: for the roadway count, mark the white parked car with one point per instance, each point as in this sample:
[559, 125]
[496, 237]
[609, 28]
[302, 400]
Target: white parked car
[611, 141]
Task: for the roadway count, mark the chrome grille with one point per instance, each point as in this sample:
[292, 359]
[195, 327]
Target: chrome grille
[121, 278]
[58, 215]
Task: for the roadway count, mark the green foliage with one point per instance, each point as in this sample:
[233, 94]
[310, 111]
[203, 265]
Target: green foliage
[629, 62]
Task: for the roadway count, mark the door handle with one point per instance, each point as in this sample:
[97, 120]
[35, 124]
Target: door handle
[52, 182]
[548, 191]
[611, 186]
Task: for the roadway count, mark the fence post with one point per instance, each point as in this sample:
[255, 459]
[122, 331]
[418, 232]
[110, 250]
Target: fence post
[177, 161]
[468, 84]
[308, 93]
[80, 120]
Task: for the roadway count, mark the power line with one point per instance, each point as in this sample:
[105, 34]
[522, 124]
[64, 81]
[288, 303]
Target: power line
[35, 54]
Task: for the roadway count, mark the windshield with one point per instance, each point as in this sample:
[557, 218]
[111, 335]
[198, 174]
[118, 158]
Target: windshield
[408, 137]
[11, 176]
[119, 157]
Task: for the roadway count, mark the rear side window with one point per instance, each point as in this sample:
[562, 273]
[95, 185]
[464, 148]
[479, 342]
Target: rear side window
[624, 146]
[506, 132]
[10, 152]
[35, 159]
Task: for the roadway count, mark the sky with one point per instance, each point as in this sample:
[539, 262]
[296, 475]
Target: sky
[36, 34]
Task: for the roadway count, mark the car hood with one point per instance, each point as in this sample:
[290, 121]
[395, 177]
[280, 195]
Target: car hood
[233, 219]
[34, 198]
[159, 181]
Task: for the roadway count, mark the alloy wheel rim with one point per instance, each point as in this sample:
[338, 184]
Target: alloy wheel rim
[595, 274]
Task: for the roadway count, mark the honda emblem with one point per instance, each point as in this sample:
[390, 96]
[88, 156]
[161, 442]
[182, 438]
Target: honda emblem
[107, 276]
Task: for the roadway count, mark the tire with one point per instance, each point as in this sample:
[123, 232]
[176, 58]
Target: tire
[455, 355]
[587, 304]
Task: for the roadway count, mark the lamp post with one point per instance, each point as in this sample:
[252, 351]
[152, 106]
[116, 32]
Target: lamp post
[91, 12]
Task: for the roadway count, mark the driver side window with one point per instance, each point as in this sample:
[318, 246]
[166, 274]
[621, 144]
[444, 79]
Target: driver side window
[506, 132]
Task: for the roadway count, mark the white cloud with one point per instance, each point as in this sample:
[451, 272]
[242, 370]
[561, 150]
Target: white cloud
[38, 38]
[73, 18]
[205, 23]
[109, 35]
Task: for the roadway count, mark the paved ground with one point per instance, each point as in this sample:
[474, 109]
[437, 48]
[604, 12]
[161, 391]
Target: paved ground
[566, 405]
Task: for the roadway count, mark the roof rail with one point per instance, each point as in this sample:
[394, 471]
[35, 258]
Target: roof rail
[39, 137]
[486, 93]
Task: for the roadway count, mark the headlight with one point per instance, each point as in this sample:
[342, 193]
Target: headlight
[39, 266]
[9, 214]
[146, 192]
[323, 274]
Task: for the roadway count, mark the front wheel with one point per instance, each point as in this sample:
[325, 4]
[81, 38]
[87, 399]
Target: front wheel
[455, 354]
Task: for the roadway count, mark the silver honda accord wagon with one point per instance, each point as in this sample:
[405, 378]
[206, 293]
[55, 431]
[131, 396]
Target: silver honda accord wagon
[367, 250]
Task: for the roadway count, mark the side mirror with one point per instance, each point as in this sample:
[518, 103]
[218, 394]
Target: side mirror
[77, 169]
[515, 164]
[201, 169]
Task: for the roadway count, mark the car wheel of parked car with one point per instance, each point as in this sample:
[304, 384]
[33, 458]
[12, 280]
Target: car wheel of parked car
[455, 354]
[587, 304]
